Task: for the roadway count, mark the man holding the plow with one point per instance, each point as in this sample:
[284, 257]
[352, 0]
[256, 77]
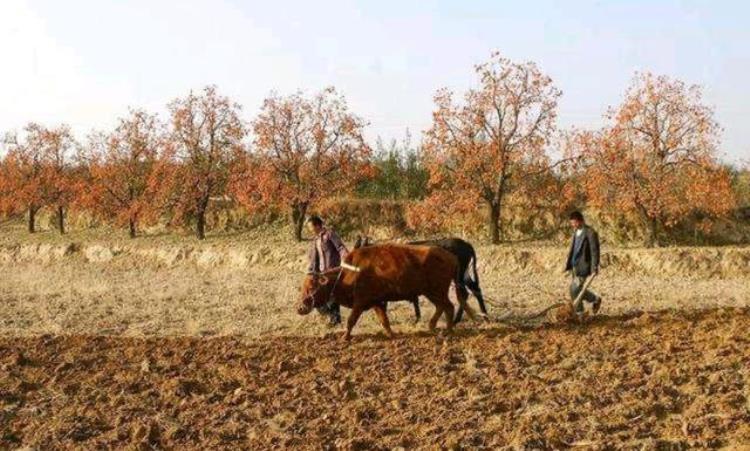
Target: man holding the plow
[583, 263]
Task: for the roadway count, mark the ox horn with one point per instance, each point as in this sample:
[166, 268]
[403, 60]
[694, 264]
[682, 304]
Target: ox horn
[350, 267]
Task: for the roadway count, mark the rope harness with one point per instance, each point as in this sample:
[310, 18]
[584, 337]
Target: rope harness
[335, 284]
[331, 299]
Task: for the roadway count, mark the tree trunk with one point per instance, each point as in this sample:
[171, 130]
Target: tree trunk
[131, 219]
[201, 225]
[61, 219]
[496, 203]
[201, 218]
[494, 223]
[32, 219]
[650, 224]
[298, 219]
[652, 240]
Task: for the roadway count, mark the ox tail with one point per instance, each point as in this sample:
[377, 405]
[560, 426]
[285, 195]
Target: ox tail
[472, 283]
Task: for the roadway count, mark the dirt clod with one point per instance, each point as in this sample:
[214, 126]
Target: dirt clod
[664, 380]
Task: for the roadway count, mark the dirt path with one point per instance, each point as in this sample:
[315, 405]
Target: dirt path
[655, 379]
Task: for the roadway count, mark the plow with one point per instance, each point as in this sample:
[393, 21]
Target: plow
[559, 310]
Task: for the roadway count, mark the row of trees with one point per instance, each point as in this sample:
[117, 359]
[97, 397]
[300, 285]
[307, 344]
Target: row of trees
[655, 159]
[145, 170]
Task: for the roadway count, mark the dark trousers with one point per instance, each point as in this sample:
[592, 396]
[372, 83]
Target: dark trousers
[332, 310]
[335, 311]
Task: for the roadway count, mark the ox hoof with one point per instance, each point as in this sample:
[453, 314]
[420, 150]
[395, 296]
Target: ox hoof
[346, 337]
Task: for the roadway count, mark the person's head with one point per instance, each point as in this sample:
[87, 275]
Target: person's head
[576, 220]
[315, 224]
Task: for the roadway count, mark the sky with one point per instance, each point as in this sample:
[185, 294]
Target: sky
[85, 62]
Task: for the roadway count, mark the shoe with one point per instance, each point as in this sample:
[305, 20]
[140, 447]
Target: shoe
[334, 313]
[597, 305]
[334, 321]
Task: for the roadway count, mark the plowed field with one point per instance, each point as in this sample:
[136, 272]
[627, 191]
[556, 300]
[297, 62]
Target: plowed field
[642, 380]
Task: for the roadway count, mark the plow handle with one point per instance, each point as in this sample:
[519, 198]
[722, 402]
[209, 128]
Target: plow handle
[584, 287]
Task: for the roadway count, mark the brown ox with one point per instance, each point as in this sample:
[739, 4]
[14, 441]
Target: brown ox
[386, 273]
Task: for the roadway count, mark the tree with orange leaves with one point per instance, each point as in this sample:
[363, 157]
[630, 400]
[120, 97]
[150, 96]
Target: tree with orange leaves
[6, 193]
[22, 175]
[657, 157]
[127, 171]
[480, 150]
[38, 172]
[59, 172]
[207, 133]
[306, 149]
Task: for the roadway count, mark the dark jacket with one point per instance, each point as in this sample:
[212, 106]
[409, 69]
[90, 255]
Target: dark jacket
[583, 260]
[333, 249]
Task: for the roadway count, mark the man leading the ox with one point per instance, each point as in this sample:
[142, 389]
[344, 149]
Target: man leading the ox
[326, 252]
[583, 260]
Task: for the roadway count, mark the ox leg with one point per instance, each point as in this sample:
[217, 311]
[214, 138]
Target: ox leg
[438, 313]
[380, 310]
[463, 294]
[442, 305]
[417, 311]
[449, 311]
[351, 321]
[477, 292]
[459, 314]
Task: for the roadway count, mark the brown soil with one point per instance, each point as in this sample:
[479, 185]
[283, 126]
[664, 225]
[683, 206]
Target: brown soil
[651, 380]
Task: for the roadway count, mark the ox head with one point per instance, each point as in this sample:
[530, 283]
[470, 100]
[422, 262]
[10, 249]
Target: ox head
[316, 290]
